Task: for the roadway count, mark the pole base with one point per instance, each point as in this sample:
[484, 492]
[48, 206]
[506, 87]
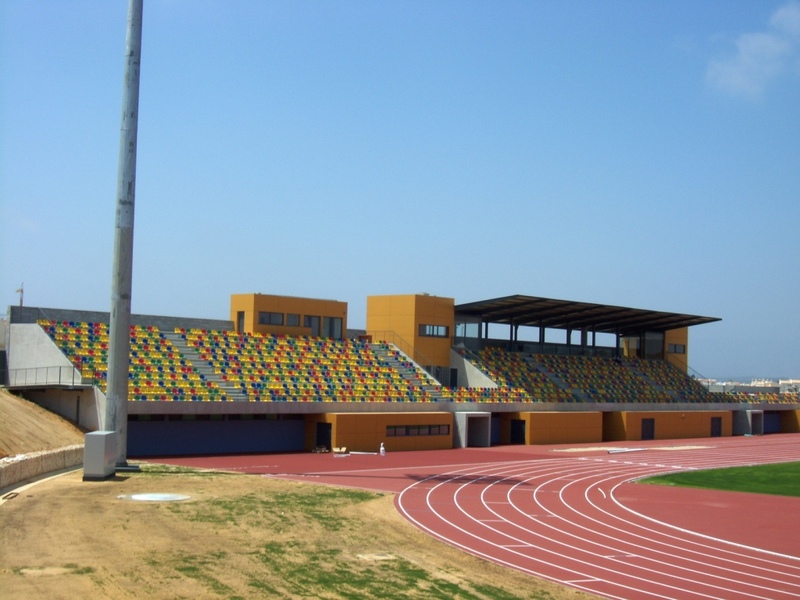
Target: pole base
[127, 468]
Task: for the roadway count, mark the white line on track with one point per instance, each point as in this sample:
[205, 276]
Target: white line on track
[551, 518]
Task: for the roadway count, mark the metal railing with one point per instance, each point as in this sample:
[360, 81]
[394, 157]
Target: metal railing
[38, 376]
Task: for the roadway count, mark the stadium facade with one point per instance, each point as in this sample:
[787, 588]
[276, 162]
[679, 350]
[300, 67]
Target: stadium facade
[285, 374]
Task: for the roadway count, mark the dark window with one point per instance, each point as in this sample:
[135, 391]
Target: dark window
[441, 331]
[653, 345]
[416, 430]
[270, 318]
[313, 323]
[293, 320]
[332, 327]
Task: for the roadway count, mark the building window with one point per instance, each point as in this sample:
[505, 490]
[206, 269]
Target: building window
[676, 348]
[292, 320]
[441, 331]
[332, 327]
[270, 318]
[312, 322]
[416, 430]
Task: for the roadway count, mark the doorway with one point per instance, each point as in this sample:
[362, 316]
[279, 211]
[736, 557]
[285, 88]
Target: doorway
[648, 429]
[517, 431]
[478, 428]
[324, 434]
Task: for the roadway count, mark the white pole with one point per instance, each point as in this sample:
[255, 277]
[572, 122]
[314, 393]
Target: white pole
[116, 414]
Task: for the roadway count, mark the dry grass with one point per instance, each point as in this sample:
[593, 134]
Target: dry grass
[238, 536]
[26, 427]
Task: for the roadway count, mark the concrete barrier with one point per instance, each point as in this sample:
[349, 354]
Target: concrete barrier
[22, 467]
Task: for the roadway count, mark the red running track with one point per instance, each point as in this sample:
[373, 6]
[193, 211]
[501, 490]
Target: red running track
[570, 514]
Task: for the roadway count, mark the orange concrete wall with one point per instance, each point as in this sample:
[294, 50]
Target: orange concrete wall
[565, 427]
[614, 427]
[364, 432]
[403, 315]
[554, 427]
[386, 314]
[677, 336]
[252, 304]
[790, 421]
[671, 425]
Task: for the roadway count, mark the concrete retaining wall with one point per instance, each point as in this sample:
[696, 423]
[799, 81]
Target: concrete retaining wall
[22, 467]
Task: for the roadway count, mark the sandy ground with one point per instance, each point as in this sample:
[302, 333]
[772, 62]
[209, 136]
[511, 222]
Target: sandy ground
[26, 427]
[236, 536]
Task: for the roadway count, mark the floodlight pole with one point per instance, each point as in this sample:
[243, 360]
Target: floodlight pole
[116, 414]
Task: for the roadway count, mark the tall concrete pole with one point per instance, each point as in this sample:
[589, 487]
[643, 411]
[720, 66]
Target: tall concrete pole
[116, 414]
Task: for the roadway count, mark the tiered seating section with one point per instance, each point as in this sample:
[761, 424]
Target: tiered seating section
[766, 397]
[597, 379]
[85, 344]
[157, 370]
[225, 365]
[500, 394]
[668, 377]
[275, 368]
[506, 370]
[558, 379]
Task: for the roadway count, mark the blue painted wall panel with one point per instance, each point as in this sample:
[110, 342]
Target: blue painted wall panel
[772, 422]
[171, 438]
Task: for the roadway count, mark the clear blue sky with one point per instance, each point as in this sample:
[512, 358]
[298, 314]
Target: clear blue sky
[635, 153]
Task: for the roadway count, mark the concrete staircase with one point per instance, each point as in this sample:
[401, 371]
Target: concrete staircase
[673, 395]
[414, 374]
[233, 393]
[534, 365]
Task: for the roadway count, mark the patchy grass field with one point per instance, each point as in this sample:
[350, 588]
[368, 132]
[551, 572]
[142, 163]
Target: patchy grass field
[237, 536]
[782, 479]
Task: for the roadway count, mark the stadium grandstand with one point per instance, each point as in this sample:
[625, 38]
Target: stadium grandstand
[285, 374]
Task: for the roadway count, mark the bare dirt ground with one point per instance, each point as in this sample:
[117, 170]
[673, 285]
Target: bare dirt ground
[236, 536]
[26, 427]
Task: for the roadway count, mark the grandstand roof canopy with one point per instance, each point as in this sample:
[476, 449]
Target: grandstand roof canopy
[565, 314]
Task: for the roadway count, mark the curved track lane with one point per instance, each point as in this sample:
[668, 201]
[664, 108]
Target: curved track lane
[566, 520]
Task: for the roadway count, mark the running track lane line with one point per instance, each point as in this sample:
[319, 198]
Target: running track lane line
[607, 545]
[517, 545]
[472, 532]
